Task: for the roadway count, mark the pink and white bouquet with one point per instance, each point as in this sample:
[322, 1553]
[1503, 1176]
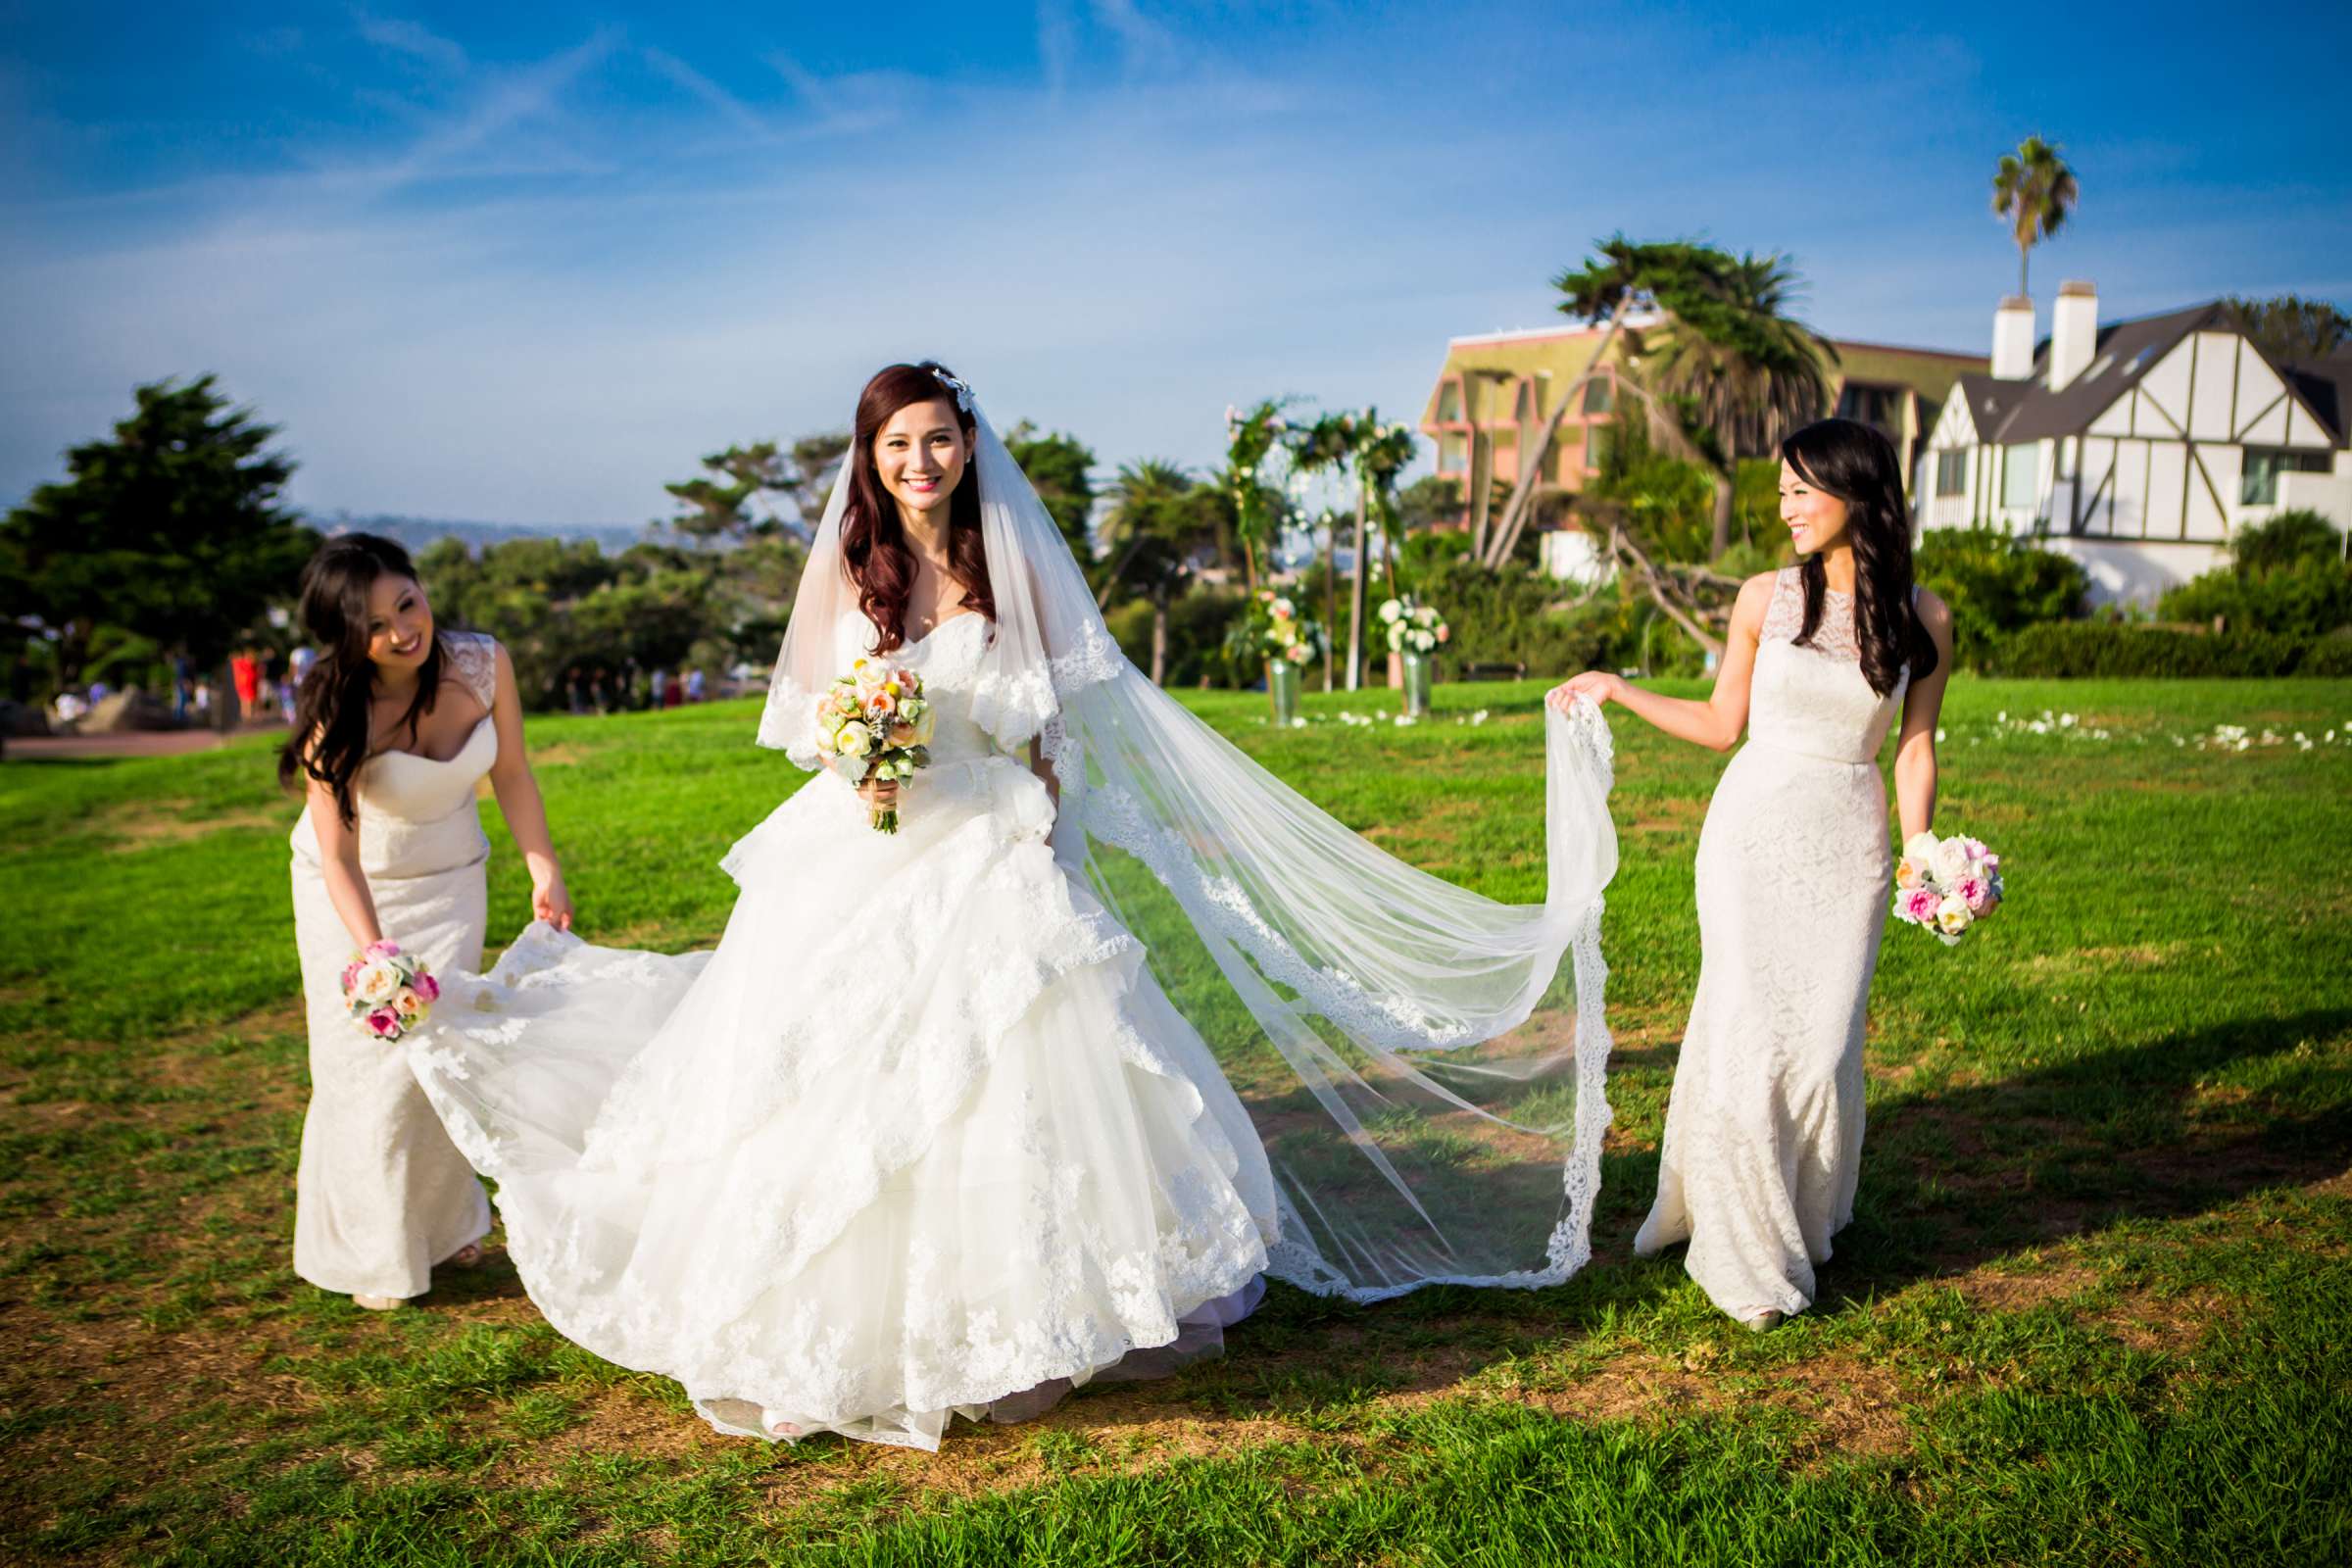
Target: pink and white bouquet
[389, 992]
[1946, 885]
[1284, 633]
[876, 724]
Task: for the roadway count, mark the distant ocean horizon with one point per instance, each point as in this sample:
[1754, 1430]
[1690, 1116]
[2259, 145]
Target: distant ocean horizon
[415, 533]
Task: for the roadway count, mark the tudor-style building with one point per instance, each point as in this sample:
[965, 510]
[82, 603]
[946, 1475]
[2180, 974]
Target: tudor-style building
[2138, 447]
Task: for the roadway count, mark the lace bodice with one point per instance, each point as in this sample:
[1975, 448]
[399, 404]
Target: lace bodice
[416, 814]
[948, 658]
[1813, 699]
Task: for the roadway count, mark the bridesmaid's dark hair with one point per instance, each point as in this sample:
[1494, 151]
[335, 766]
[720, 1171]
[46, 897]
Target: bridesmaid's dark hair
[331, 735]
[873, 541]
[1856, 464]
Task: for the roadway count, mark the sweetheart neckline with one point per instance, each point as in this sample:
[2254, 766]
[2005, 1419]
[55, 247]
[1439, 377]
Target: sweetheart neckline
[438, 761]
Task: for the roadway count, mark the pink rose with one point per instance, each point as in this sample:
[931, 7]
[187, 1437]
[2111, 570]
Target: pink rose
[1976, 892]
[351, 975]
[1444, 633]
[383, 1023]
[1919, 905]
[381, 950]
[428, 987]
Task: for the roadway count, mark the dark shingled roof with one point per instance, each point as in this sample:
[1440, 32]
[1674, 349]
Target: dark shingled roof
[2327, 385]
[1989, 401]
[2125, 352]
[2010, 411]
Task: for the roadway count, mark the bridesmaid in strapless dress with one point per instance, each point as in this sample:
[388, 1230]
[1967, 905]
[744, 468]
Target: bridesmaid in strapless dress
[394, 728]
[1763, 1144]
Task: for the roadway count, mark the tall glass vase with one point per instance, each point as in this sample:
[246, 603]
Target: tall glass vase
[1419, 670]
[1282, 687]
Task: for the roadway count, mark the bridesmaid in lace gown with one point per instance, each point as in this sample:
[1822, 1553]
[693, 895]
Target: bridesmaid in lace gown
[1764, 1132]
[395, 727]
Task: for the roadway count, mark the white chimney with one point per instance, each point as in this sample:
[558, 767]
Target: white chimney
[2073, 331]
[2013, 339]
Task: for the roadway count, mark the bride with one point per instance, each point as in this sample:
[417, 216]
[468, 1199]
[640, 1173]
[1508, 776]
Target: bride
[924, 1136]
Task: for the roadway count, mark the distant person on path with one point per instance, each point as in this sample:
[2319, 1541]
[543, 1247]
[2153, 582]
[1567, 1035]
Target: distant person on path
[245, 672]
[1764, 1130]
[184, 687]
[694, 685]
[661, 680]
[400, 722]
[573, 701]
[673, 693]
[298, 669]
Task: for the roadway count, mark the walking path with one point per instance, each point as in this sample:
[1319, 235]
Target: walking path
[125, 743]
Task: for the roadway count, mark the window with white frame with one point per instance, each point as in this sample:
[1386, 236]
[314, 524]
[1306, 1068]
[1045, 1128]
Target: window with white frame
[2259, 484]
[1951, 472]
[2021, 477]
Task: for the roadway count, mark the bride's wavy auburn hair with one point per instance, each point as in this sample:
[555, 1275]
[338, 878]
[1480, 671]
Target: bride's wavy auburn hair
[873, 541]
[1856, 464]
[331, 727]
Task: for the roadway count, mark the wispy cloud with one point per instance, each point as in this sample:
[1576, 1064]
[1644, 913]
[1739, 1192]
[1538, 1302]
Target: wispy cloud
[537, 291]
[852, 102]
[1145, 46]
[1056, 45]
[412, 39]
[738, 113]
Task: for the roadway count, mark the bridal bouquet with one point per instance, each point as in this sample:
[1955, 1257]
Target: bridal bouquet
[390, 991]
[1946, 885]
[1413, 626]
[875, 722]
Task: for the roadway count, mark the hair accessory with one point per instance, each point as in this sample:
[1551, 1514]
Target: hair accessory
[963, 393]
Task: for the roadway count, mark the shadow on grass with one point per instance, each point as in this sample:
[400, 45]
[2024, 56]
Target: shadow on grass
[1950, 1181]
[1955, 1179]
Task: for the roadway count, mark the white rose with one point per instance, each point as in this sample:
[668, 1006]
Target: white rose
[376, 983]
[1920, 849]
[1949, 861]
[854, 740]
[1952, 916]
[1389, 610]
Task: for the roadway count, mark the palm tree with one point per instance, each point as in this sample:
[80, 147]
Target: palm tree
[1154, 527]
[1744, 370]
[2034, 190]
[1624, 277]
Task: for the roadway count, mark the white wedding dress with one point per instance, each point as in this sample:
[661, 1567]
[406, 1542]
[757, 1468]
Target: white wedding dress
[381, 1194]
[921, 1134]
[1763, 1144]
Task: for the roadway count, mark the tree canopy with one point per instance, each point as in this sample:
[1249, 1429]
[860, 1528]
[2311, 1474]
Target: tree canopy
[171, 528]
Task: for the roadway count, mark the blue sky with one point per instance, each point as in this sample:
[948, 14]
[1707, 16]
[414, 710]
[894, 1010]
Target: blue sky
[526, 265]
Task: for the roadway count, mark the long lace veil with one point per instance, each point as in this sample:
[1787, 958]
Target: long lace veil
[1424, 1065]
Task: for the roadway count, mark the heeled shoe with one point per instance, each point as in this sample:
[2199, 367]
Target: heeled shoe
[1763, 1322]
[377, 1304]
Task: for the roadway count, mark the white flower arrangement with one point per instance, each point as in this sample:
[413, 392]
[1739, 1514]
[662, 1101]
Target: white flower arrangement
[1413, 626]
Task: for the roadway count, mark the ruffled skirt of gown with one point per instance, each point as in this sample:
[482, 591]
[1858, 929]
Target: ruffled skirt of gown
[921, 1135]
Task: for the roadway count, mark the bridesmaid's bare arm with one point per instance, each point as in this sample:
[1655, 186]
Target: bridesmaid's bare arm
[1915, 752]
[518, 790]
[1717, 723]
[339, 865]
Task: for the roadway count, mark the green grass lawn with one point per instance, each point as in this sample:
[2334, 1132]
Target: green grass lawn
[2095, 1306]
